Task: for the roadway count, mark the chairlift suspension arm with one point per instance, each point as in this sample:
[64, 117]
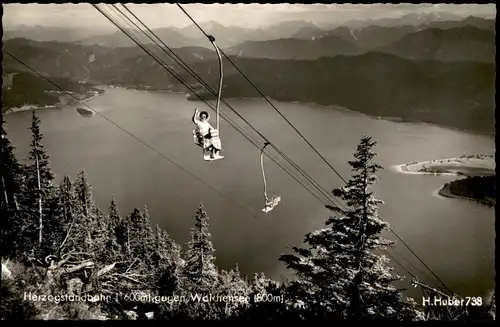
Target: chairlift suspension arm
[221, 77]
[415, 282]
[262, 169]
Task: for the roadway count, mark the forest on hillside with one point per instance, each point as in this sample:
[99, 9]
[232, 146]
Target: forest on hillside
[60, 248]
[458, 94]
[29, 89]
[477, 188]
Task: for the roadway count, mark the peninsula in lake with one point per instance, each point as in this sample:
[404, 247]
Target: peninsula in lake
[478, 170]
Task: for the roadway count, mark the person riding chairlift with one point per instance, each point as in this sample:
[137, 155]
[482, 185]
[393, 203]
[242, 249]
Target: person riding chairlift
[207, 136]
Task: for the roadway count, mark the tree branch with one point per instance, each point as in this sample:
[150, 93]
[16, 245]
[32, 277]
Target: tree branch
[106, 269]
[128, 269]
[88, 264]
[67, 234]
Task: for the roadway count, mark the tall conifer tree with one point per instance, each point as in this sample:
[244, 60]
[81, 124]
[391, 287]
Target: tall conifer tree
[339, 275]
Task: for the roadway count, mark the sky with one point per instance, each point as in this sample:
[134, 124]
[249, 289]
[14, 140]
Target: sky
[246, 15]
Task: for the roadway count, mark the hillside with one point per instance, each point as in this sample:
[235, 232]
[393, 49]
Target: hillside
[414, 19]
[308, 33]
[29, 89]
[477, 188]
[119, 39]
[80, 62]
[453, 44]
[225, 36]
[459, 94]
[48, 33]
[374, 36]
[295, 48]
[478, 22]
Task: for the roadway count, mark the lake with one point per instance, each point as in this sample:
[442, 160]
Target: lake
[453, 237]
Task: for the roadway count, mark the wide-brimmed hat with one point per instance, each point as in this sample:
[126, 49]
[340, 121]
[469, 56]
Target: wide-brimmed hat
[206, 113]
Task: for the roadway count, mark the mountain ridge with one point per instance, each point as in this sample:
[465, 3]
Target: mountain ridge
[451, 44]
[457, 94]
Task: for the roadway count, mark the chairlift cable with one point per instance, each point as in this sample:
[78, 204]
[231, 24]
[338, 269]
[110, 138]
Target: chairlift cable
[133, 135]
[201, 98]
[338, 174]
[184, 65]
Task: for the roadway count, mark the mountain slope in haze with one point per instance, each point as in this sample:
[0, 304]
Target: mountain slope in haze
[79, 62]
[343, 32]
[187, 36]
[225, 36]
[295, 48]
[453, 44]
[478, 22]
[373, 36]
[49, 33]
[228, 36]
[58, 59]
[170, 36]
[288, 29]
[308, 33]
[27, 88]
[458, 94]
[414, 19]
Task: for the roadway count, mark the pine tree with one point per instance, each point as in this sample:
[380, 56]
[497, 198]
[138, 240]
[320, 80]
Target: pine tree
[102, 246]
[123, 238]
[10, 186]
[38, 191]
[266, 299]
[114, 217]
[200, 267]
[148, 237]
[67, 199]
[10, 173]
[86, 221]
[199, 273]
[113, 248]
[232, 285]
[167, 261]
[167, 252]
[141, 235]
[69, 211]
[339, 274]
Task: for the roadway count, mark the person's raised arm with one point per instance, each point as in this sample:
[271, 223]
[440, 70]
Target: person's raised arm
[195, 119]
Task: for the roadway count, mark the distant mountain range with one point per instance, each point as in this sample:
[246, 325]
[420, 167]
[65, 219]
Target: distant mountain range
[370, 33]
[295, 48]
[458, 94]
[191, 36]
[456, 41]
[49, 33]
[414, 19]
[453, 44]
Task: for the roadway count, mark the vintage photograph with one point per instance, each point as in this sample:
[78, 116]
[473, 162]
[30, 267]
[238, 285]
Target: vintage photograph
[248, 162]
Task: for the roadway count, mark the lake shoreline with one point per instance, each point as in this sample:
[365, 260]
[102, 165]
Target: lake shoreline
[464, 167]
[460, 166]
[392, 119]
[446, 192]
[100, 150]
